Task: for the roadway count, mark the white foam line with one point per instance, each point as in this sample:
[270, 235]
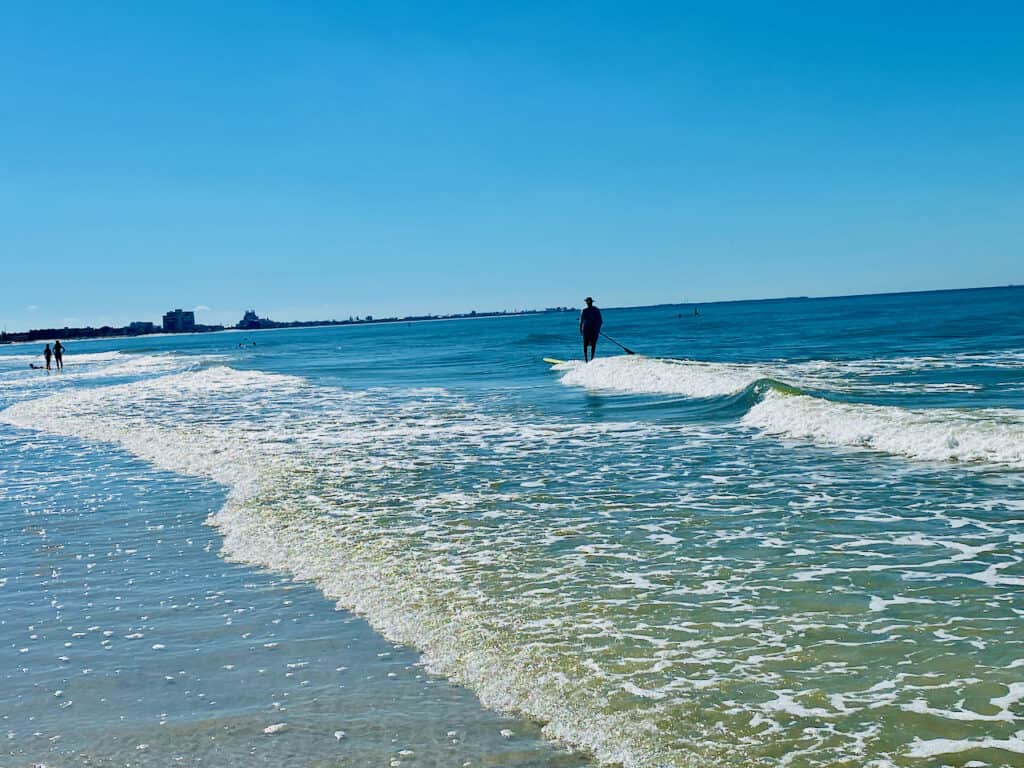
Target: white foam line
[309, 472]
[993, 437]
[935, 747]
[1015, 694]
[262, 525]
[646, 375]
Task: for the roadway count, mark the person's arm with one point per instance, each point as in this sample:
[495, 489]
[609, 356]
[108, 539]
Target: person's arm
[581, 322]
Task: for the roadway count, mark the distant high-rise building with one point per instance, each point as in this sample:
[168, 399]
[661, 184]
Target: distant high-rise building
[177, 321]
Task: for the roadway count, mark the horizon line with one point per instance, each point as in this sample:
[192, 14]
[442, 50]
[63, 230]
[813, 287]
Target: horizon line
[519, 312]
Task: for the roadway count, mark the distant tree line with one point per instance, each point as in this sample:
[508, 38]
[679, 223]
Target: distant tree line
[49, 334]
[248, 323]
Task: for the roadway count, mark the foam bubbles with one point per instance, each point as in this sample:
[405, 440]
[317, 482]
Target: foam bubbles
[991, 437]
[656, 593]
[936, 747]
[645, 375]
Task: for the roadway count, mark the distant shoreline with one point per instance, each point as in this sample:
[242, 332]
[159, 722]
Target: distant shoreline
[108, 332]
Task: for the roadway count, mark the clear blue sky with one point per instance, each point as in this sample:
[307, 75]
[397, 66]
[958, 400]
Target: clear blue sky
[319, 159]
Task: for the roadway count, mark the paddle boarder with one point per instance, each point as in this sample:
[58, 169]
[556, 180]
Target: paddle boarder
[590, 328]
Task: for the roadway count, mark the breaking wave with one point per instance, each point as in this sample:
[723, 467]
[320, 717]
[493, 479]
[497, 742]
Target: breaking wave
[661, 608]
[990, 437]
[645, 375]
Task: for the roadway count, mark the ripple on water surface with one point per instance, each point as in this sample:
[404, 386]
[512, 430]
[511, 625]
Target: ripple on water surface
[126, 640]
[701, 598]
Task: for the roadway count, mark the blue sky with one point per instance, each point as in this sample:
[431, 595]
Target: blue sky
[318, 160]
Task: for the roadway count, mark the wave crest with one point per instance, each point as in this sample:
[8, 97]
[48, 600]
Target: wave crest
[757, 396]
[993, 437]
[646, 375]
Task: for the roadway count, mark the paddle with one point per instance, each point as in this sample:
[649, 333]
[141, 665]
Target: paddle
[625, 349]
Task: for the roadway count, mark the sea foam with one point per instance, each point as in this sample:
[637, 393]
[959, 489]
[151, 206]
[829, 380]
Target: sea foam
[472, 536]
[645, 375]
[990, 437]
[985, 437]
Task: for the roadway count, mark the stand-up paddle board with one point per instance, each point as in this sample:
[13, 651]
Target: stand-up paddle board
[553, 361]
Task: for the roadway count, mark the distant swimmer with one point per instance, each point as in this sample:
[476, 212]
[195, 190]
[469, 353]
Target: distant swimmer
[58, 354]
[47, 353]
[590, 328]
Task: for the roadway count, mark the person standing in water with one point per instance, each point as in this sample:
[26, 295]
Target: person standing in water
[590, 328]
[58, 354]
[47, 354]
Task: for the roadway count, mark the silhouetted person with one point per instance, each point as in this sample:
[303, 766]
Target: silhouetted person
[47, 354]
[590, 328]
[58, 354]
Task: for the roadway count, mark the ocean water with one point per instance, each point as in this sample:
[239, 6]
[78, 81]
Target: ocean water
[787, 533]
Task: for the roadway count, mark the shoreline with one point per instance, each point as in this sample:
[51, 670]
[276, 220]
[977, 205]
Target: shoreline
[283, 326]
[306, 677]
[451, 504]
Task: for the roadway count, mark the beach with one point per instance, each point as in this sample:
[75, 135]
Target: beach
[785, 531]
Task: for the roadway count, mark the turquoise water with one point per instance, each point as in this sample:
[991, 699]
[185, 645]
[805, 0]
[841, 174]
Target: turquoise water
[788, 532]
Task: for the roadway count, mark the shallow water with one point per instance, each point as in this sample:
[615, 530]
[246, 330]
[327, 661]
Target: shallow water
[791, 532]
[128, 641]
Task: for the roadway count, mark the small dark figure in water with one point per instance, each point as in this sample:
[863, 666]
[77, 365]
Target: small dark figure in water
[58, 354]
[695, 312]
[590, 328]
[47, 354]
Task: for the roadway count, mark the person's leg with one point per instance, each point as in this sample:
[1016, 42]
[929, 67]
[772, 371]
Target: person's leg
[584, 349]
